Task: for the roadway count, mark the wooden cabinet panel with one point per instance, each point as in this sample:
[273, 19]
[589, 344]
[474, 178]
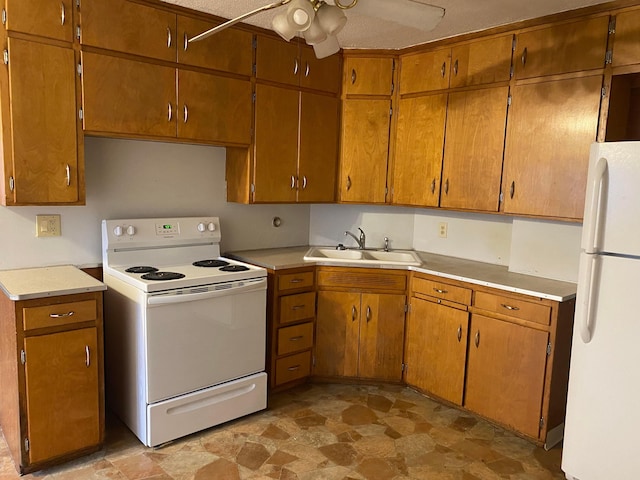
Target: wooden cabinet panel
[563, 48]
[320, 73]
[59, 314]
[318, 155]
[364, 149]
[129, 27]
[419, 146]
[513, 307]
[297, 307]
[42, 127]
[290, 281]
[473, 149]
[276, 145]
[505, 373]
[45, 18]
[367, 76]
[363, 279]
[230, 50]
[626, 47]
[295, 338]
[277, 61]
[62, 371]
[213, 108]
[293, 368]
[128, 97]
[425, 71]
[481, 62]
[436, 349]
[547, 148]
[441, 290]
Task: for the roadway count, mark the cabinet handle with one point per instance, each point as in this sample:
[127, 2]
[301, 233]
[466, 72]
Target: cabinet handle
[296, 280]
[169, 39]
[440, 291]
[446, 187]
[63, 14]
[477, 340]
[67, 172]
[460, 333]
[296, 339]
[298, 307]
[186, 41]
[455, 68]
[354, 313]
[348, 183]
[304, 182]
[87, 356]
[307, 69]
[62, 315]
[354, 76]
[433, 186]
[509, 307]
[295, 67]
[293, 368]
[443, 70]
[293, 182]
[512, 190]
[368, 316]
[170, 113]
[185, 112]
[523, 58]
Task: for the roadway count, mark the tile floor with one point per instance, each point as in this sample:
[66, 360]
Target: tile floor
[322, 432]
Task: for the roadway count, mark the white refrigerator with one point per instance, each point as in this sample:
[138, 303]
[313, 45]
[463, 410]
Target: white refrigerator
[602, 428]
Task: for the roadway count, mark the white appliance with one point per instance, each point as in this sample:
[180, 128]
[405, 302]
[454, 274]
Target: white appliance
[603, 418]
[185, 329]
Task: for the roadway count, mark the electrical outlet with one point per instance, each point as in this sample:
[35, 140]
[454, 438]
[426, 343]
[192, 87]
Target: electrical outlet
[442, 230]
[48, 226]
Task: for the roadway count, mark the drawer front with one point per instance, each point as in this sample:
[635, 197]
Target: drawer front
[523, 310]
[297, 307]
[441, 290]
[295, 338]
[293, 281]
[59, 314]
[293, 367]
[361, 279]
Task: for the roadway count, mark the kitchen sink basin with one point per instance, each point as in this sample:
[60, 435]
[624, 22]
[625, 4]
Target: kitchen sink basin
[368, 257]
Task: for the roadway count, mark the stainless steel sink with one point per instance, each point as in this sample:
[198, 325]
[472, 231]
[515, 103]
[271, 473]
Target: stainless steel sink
[368, 257]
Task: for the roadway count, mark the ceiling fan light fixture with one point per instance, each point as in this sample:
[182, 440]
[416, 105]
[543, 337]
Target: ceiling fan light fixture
[327, 47]
[282, 27]
[331, 18]
[315, 33]
[300, 14]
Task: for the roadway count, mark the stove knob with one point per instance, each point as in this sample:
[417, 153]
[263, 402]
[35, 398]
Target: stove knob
[202, 227]
[131, 230]
[211, 227]
[117, 231]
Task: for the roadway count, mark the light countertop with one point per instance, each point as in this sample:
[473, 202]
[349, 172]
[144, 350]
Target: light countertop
[478, 273]
[28, 283]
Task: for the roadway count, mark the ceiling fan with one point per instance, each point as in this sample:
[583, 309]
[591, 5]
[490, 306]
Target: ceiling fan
[319, 21]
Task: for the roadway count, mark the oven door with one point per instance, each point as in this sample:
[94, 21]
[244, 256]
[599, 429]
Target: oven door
[203, 336]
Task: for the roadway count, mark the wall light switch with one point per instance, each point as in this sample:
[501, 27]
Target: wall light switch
[442, 230]
[48, 226]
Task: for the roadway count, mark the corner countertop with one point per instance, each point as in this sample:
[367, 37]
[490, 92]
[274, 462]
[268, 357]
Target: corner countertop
[40, 282]
[470, 271]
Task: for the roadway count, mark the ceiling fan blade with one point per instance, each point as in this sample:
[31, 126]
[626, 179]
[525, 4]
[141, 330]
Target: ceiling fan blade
[229, 23]
[409, 13]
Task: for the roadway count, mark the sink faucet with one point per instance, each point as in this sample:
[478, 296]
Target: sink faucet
[361, 240]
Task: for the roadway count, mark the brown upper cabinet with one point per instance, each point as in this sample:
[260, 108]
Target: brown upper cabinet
[368, 76]
[422, 72]
[563, 48]
[626, 43]
[43, 18]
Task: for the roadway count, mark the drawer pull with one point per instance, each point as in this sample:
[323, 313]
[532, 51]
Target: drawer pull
[294, 368]
[297, 280]
[354, 313]
[477, 340]
[509, 307]
[368, 314]
[87, 356]
[297, 307]
[62, 315]
[296, 339]
[439, 290]
[460, 333]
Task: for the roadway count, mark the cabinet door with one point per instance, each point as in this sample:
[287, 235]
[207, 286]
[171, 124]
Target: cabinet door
[318, 158]
[425, 71]
[473, 149]
[505, 373]
[44, 18]
[129, 27]
[61, 375]
[481, 62]
[276, 144]
[320, 74]
[368, 76]
[44, 123]
[381, 336]
[337, 332]
[230, 50]
[277, 61]
[364, 149]
[563, 48]
[436, 349]
[418, 155]
[547, 148]
[128, 97]
[626, 48]
[212, 108]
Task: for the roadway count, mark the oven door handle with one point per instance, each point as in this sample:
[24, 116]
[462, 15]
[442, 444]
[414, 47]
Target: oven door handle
[248, 286]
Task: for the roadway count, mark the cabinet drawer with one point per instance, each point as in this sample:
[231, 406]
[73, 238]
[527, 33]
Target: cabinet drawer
[293, 367]
[292, 281]
[59, 314]
[523, 310]
[442, 290]
[295, 338]
[297, 307]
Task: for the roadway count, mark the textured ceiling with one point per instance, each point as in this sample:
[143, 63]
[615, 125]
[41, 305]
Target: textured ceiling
[461, 16]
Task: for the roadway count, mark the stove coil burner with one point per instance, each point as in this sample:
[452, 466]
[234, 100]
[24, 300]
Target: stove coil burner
[162, 276]
[210, 263]
[141, 269]
[234, 268]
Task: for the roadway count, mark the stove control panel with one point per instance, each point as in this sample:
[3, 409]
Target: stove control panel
[167, 228]
[203, 227]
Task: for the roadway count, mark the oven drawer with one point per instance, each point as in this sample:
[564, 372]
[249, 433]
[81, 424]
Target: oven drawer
[59, 314]
[293, 367]
[294, 281]
[295, 338]
[297, 307]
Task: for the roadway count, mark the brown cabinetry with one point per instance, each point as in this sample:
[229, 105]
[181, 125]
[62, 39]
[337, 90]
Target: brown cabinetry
[368, 76]
[52, 378]
[42, 18]
[626, 48]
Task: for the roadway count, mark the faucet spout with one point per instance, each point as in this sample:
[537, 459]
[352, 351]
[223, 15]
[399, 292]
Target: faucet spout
[359, 240]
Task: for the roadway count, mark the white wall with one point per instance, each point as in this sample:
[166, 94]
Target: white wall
[130, 179]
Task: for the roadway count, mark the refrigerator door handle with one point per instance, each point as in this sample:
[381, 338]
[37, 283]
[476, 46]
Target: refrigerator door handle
[594, 219]
[585, 294]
